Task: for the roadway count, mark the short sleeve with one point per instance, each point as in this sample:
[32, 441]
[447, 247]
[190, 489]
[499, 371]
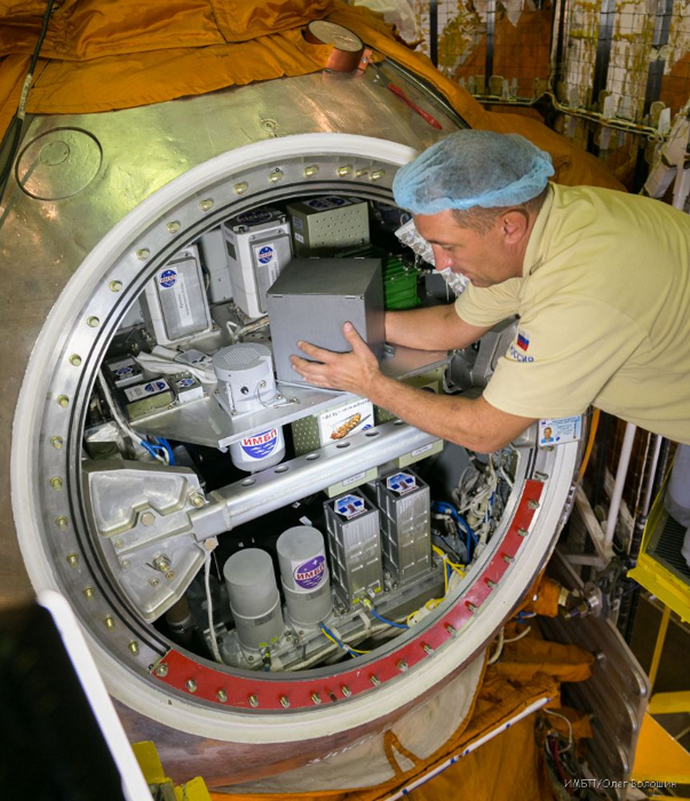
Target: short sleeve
[562, 358]
[488, 306]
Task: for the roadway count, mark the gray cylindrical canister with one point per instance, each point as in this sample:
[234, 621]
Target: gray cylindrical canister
[254, 597]
[304, 573]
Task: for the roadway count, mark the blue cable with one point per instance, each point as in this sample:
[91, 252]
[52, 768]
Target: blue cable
[447, 508]
[165, 444]
[343, 645]
[388, 622]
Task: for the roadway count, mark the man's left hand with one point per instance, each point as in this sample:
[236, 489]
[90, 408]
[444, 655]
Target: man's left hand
[351, 372]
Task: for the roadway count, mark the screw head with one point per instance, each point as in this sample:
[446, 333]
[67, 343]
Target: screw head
[63, 401]
[93, 322]
[376, 175]
[343, 171]
[161, 670]
[173, 227]
[147, 519]
[222, 696]
[75, 360]
[196, 500]
[115, 286]
[190, 684]
[73, 559]
[206, 205]
[311, 171]
[143, 254]
[402, 666]
[346, 691]
[316, 698]
[109, 623]
[241, 188]
[57, 442]
[62, 523]
[533, 504]
[89, 592]
[56, 483]
[284, 701]
[253, 701]
[134, 647]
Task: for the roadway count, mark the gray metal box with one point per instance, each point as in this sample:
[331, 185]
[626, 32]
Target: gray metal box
[323, 225]
[313, 298]
[404, 501]
[354, 543]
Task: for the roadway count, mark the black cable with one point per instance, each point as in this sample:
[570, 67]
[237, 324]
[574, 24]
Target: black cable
[14, 129]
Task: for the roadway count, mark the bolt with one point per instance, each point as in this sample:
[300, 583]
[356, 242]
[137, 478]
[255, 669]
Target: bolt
[56, 483]
[109, 623]
[241, 188]
[190, 685]
[507, 558]
[89, 592]
[73, 559]
[63, 401]
[143, 254]
[211, 543]
[134, 647]
[346, 691]
[427, 649]
[343, 171]
[362, 172]
[540, 476]
[275, 176]
[402, 666]
[253, 701]
[250, 658]
[196, 500]
[310, 171]
[471, 607]
[170, 575]
[316, 698]
[533, 504]
[117, 544]
[62, 523]
[222, 696]
[75, 360]
[148, 519]
[124, 564]
[377, 175]
[522, 532]
[57, 442]
[450, 629]
[161, 563]
[284, 701]
[173, 227]
[93, 322]
[161, 670]
[115, 286]
[375, 680]
[490, 584]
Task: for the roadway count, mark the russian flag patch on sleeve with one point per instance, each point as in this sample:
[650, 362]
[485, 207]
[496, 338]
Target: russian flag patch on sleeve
[522, 341]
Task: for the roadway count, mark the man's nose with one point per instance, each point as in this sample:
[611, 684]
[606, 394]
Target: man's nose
[442, 259]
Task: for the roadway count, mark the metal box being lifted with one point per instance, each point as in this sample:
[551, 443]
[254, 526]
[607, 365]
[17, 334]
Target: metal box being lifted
[313, 298]
[323, 225]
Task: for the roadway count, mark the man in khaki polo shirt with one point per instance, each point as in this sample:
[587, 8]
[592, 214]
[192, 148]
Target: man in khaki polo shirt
[600, 281]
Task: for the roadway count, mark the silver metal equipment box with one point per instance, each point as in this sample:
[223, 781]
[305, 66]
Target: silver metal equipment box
[404, 501]
[322, 225]
[313, 298]
[354, 543]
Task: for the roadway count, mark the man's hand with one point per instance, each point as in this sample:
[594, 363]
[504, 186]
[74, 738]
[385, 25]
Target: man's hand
[352, 372]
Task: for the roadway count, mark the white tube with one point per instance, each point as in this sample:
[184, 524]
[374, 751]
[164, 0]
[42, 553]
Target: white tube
[621, 475]
[652, 474]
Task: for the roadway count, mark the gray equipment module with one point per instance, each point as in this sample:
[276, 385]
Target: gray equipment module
[305, 577]
[254, 598]
[354, 543]
[323, 225]
[313, 298]
[404, 501]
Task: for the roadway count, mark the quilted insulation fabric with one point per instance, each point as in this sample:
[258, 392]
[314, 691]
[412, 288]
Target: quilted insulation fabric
[101, 56]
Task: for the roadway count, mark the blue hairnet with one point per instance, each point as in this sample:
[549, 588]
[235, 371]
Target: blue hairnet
[473, 168]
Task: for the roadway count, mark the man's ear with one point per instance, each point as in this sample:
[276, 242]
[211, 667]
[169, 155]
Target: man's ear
[514, 225]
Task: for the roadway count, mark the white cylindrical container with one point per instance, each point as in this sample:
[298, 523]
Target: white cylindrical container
[254, 598]
[246, 384]
[304, 573]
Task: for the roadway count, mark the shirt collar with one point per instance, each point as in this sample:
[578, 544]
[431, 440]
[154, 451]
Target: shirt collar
[535, 247]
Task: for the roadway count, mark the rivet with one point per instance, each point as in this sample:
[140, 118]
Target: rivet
[173, 227]
[63, 401]
[62, 523]
[402, 666]
[56, 483]
[190, 684]
[206, 205]
[450, 629]
[346, 691]
[533, 504]
[315, 697]
[253, 701]
[311, 171]
[375, 680]
[222, 696]
[377, 175]
[93, 322]
[275, 176]
[73, 559]
[427, 649]
[75, 360]
[522, 532]
[196, 500]
[161, 670]
[147, 519]
[56, 442]
[109, 623]
[88, 592]
[343, 171]
[115, 286]
[508, 559]
[241, 188]
[284, 701]
[134, 647]
[143, 254]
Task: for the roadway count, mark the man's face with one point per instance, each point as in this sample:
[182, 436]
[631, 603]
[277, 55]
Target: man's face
[485, 259]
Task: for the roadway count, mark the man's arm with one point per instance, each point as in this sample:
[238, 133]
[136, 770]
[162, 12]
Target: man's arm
[474, 424]
[433, 328]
